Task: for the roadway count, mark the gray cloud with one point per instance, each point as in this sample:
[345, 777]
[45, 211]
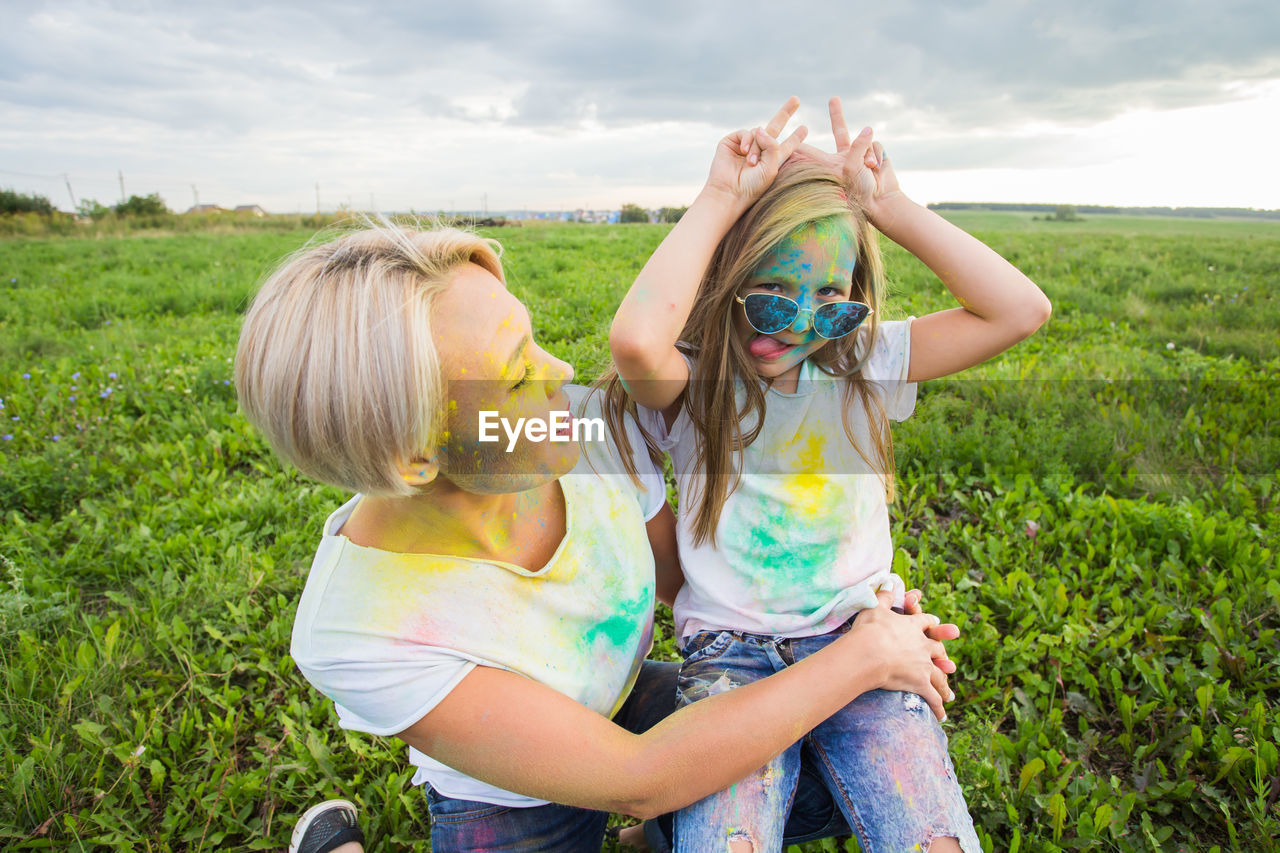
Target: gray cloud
[957, 83]
[983, 63]
[988, 63]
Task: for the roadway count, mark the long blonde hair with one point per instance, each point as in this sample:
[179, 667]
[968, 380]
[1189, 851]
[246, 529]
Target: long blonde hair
[803, 194]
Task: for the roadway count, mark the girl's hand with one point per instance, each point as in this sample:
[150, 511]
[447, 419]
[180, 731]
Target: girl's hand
[746, 161]
[907, 655]
[860, 161]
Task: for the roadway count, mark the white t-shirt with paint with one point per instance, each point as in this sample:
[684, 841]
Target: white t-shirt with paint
[803, 542]
[386, 636]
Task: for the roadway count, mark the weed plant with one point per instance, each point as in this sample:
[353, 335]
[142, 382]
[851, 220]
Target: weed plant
[1096, 509]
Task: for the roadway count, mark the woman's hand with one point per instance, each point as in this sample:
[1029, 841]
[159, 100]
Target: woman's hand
[941, 631]
[746, 161]
[860, 161]
[909, 658]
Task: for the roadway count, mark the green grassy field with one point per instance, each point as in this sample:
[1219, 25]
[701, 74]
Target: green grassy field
[1096, 509]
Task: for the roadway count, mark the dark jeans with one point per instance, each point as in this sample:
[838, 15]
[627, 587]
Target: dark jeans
[464, 825]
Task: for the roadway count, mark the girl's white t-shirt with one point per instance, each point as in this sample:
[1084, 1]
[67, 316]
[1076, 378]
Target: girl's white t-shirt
[803, 541]
[386, 636]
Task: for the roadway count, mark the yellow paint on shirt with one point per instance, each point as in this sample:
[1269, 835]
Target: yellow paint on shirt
[804, 489]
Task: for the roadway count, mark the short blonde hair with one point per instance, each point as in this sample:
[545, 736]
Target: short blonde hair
[336, 363]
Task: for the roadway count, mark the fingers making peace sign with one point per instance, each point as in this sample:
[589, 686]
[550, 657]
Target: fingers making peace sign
[859, 160]
[746, 161]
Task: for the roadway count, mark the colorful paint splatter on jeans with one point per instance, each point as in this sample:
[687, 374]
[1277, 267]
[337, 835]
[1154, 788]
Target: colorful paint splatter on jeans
[883, 757]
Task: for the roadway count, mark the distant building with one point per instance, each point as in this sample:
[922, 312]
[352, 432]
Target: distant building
[255, 209]
[206, 208]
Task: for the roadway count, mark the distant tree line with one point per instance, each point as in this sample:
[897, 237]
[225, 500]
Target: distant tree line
[636, 213]
[1063, 213]
[1051, 209]
[633, 213]
[32, 215]
[136, 205]
[15, 202]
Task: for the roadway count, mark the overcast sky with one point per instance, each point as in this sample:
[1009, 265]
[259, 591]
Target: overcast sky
[563, 105]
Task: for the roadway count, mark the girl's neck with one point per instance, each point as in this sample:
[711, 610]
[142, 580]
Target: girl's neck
[521, 528]
[787, 382]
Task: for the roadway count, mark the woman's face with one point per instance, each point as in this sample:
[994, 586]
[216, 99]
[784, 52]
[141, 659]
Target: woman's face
[495, 375]
[813, 265]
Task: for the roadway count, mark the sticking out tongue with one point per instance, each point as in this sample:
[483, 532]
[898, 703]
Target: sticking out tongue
[763, 346]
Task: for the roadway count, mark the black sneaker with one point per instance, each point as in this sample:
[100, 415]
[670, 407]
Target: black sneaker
[326, 827]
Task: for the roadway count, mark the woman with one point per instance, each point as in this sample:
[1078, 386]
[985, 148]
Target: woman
[490, 608]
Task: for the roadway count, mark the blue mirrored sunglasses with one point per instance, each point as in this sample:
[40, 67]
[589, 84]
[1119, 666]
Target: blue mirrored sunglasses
[769, 313]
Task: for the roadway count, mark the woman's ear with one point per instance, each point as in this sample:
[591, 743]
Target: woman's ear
[419, 472]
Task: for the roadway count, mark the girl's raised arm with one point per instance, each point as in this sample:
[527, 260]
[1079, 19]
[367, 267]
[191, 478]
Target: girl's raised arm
[649, 320]
[999, 306]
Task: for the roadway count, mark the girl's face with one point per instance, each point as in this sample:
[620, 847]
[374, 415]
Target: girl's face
[813, 265]
[493, 370]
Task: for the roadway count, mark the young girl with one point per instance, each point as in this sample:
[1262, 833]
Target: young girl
[753, 344]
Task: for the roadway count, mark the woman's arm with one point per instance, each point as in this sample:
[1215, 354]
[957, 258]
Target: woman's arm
[649, 320]
[525, 737]
[999, 306]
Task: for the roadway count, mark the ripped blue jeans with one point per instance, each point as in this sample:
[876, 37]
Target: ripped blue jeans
[883, 757]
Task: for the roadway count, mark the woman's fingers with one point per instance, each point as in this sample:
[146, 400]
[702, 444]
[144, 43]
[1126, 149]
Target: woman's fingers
[934, 627]
[943, 631]
[911, 601]
[937, 633]
[926, 621]
[839, 129]
[929, 692]
[884, 598]
[938, 679]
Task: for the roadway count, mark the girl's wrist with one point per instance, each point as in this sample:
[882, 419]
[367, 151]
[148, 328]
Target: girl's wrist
[885, 212]
[721, 204]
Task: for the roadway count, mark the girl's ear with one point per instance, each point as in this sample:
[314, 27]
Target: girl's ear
[419, 472]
